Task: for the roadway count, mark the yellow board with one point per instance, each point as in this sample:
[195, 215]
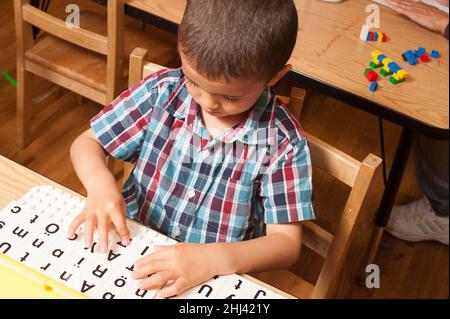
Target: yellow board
[19, 281]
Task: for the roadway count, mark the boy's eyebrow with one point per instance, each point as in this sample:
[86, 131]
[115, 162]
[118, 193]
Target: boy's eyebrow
[224, 95]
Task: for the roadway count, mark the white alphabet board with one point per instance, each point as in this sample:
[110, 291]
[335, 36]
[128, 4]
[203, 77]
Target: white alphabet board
[33, 232]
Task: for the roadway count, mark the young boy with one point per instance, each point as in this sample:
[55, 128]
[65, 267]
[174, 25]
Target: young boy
[220, 164]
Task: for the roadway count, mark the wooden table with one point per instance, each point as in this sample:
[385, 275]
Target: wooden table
[16, 180]
[330, 54]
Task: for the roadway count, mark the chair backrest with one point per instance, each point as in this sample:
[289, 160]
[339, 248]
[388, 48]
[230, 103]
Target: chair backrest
[360, 177]
[111, 45]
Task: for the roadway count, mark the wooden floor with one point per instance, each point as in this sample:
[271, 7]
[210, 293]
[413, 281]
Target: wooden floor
[408, 270]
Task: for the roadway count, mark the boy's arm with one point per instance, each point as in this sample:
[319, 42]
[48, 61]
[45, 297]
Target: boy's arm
[119, 130]
[88, 158]
[104, 204]
[186, 265]
[279, 249]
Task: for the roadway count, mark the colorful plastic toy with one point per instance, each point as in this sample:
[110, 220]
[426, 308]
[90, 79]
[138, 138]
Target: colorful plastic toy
[366, 35]
[397, 74]
[417, 53]
[410, 57]
[373, 86]
[385, 71]
[371, 76]
[424, 58]
[434, 54]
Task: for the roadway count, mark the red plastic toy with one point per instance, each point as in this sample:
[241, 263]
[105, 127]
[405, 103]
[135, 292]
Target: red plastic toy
[372, 76]
[424, 58]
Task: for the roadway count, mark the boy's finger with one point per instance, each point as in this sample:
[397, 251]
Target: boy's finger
[121, 226]
[103, 235]
[77, 221]
[146, 270]
[89, 227]
[174, 289]
[112, 228]
[155, 281]
[152, 257]
[145, 260]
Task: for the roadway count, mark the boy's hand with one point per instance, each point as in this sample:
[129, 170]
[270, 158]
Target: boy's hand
[104, 209]
[176, 268]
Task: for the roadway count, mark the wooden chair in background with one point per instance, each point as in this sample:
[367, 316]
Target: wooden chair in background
[295, 101]
[360, 177]
[90, 61]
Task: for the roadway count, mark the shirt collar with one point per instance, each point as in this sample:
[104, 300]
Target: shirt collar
[184, 99]
[258, 128]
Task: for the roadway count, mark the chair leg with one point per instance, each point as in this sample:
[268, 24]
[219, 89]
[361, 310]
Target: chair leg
[297, 99]
[24, 107]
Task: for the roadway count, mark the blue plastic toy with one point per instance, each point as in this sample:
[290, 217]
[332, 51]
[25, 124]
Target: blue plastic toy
[373, 86]
[434, 54]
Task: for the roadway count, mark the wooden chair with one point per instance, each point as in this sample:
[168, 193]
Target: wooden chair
[88, 60]
[360, 207]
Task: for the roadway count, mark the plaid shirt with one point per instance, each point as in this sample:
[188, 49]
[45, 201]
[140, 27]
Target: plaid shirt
[197, 189]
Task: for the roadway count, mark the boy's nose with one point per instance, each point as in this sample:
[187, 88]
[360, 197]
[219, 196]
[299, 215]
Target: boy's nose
[210, 102]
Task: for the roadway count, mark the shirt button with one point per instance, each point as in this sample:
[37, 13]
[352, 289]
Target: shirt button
[191, 193]
[177, 231]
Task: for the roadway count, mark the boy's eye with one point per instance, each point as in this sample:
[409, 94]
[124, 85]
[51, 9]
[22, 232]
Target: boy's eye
[191, 83]
[227, 98]
[231, 99]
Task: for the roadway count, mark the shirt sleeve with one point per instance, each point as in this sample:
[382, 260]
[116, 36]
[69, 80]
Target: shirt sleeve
[122, 125]
[286, 187]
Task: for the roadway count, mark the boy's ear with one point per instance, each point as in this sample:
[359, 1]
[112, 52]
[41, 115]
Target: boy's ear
[280, 74]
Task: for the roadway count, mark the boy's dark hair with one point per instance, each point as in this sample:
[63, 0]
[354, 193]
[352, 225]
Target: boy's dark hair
[238, 38]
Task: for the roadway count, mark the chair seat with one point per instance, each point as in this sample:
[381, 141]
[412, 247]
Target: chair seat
[88, 67]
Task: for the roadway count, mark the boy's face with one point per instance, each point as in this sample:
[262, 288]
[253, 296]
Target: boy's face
[219, 98]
